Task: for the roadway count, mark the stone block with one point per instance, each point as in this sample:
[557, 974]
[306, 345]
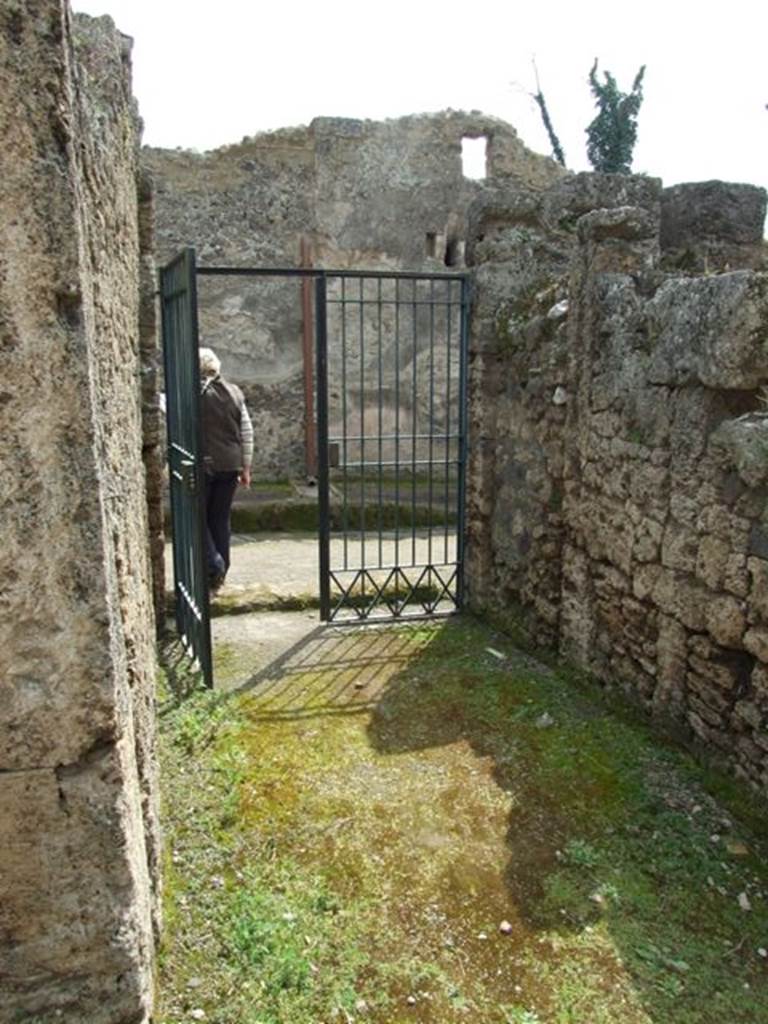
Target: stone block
[712, 225]
[711, 560]
[735, 575]
[74, 906]
[729, 312]
[758, 591]
[743, 443]
[679, 548]
[645, 578]
[678, 595]
[756, 642]
[749, 713]
[699, 726]
[759, 681]
[726, 620]
[706, 701]
[722, 675]
[720, 522]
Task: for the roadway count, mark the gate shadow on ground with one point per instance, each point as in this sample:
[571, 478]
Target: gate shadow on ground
[331, 671]
[627, 909]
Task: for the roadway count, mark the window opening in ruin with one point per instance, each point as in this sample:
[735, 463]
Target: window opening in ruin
[474, 157]
[431, 244]
[454, 252]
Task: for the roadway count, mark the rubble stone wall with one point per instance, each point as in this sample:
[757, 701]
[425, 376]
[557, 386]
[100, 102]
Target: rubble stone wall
[363, 195]
[620, 442]
[79, 857]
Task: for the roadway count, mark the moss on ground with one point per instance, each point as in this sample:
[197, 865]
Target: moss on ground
[296, 516]
[422, 824]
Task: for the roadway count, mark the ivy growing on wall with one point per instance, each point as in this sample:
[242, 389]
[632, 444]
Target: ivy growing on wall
[612, 135]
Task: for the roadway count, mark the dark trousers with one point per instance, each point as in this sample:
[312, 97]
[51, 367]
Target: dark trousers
[219, 492]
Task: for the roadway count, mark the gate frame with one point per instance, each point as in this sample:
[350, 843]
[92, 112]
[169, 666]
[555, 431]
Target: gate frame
[190, 575]
[320, 276]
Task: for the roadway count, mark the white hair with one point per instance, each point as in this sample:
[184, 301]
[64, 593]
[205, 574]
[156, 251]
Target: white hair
[210, 364]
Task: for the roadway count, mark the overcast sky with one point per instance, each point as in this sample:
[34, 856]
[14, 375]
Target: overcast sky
[206, 74]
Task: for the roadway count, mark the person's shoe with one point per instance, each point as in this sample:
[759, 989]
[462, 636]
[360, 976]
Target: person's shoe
[216, 582]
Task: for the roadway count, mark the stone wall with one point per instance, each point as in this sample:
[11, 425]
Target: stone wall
[367, 195]
[620, 442]
[79, 857]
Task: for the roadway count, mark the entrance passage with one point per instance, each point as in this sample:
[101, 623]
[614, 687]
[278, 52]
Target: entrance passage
[390, 383]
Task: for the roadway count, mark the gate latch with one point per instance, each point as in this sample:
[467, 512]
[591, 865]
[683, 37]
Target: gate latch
[188, 472]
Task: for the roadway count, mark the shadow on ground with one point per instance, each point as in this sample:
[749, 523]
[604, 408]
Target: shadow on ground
[516, 849]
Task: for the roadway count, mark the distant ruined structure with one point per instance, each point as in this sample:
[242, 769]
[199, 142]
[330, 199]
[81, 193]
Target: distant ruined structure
[618, 480]
[350, 194]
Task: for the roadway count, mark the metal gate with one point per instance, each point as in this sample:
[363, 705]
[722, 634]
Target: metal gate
[392, 440]
[178, 297]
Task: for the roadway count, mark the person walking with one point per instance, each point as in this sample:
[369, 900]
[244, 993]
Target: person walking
[227, 454]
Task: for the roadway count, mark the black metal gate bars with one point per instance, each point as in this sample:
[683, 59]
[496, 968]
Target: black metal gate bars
[391, 383]
[178, 300]
[391, 378]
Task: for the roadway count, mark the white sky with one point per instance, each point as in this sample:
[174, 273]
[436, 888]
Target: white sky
[206, 74]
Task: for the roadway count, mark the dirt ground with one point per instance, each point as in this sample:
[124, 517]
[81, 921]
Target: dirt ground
[423, 824]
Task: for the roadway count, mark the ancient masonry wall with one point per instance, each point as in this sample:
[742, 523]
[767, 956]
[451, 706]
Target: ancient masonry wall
[620, 442]
[78, 860]
[362, 194]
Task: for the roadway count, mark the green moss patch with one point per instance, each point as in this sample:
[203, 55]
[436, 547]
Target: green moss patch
[423, 824]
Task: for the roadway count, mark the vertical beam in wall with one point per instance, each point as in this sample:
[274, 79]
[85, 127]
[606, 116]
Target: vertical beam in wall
[310, 436]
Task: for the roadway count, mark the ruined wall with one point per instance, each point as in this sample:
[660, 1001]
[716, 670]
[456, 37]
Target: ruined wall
[369, 195]
[618, 485]
[78, 861]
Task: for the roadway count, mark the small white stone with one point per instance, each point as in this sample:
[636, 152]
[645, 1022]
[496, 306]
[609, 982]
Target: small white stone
[411, 1000]
[762, 951]
[559, 396]
[482, 935]
[505, 928]
[744, 901]
[558, 311]
[197, 1014]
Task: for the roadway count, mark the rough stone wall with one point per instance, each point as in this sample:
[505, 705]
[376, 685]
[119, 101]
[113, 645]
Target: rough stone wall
[364, 194]
[78, 861]
[620, 469]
